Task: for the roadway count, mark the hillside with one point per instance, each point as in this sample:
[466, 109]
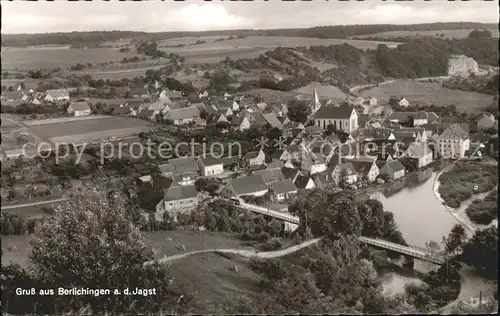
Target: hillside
[337, 31]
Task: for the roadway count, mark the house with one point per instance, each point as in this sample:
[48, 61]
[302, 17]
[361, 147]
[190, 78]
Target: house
[345, 172]
[485, 121]
[403, 102]
[170, 95]
[275, 164]
[79, 109]
[203, 95]
[187, 178]
[313, 163]
[453, 142]
[183, 165]
[343, 117]
[249, 185]
[241, 123]
[178, 198]
[255, 158]
[323, 179]
[148, 115]
[183, 116]
[210, 166]
[227, 96]
[412, 118]
[270, 175]
[393, 169]
[419, 132]
[230, 163]
[366, 168]
[372, 101]
[57, 95]
[282, 190]
[304, 183]
[420, 152]
[217, 117]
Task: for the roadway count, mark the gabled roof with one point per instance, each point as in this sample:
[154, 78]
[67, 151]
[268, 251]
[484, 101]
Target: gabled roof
[394, 166]
[270, 175]
[184, 113]
[289, 173]
[146, 113]
[324, 177]
[165, 168]
[417, 150]
[79, 106]
[272, 120]
[210, 161]
[332, 112]
[172, 94]
[175, 193]
[362, 166]
[247, 185]
[252, 154]
[454, 130]
[283, 186]
[302, 181]
[183, 165]
[347, 166]
[179, 104]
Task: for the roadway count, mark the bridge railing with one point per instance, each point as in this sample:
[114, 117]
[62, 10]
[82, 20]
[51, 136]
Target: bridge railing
[417, 253]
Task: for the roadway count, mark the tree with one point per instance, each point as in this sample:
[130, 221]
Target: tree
[298, 111]
[479, 34]
[456, 239]
[481, 251]
[89, 243]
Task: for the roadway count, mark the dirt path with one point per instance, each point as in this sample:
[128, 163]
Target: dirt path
[242, 252]
[34, 203]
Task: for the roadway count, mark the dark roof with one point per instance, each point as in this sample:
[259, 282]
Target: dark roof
[332, 112]
[247, 185]
[146, 113]
[348, 167]
[228, 161]
[210, 161]
[363, 119]
[289, 173]
[172, 94]
[79, 106]
[283, 186]
[361, 166]
[183, 165]
[252, 154]
[301, 182]
[270, 175]
[323, 177]
[175, 193]
[183, 113]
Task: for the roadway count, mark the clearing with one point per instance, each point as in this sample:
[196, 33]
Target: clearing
[426, 93]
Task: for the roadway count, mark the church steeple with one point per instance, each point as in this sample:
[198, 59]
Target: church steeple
[315, 103]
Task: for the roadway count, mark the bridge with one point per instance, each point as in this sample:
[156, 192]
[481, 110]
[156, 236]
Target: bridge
[411, 251]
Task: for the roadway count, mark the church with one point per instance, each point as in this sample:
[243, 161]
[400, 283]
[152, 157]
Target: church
[343, 117]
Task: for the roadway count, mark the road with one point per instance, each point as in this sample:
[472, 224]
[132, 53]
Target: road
[241, 252]
[8, 207]
[354, 90]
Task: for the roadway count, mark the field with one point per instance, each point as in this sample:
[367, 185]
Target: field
[447, 33]
[427, 93]
[90, 129]
[33, 58]
[324, 91]
[253, 46]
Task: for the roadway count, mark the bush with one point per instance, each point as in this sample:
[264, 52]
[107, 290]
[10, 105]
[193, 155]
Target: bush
[272, 244]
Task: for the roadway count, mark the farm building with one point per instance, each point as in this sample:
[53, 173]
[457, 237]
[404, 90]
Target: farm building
[58, 95]
[183, 116]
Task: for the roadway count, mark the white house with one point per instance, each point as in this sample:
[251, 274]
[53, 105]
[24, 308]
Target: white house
[178, 198]
[453, 142]
[255, 158]
[393, 169]
[345, 172]
[183, 116]
[372, 101]
[57, 95]
[210, 166]
[79, 109]
[403, 102]
[282, 190]
[343, 117]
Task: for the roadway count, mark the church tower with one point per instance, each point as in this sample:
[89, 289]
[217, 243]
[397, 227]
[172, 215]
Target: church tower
[315, 104]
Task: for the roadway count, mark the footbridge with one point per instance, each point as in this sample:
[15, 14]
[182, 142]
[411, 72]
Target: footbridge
[411, 251]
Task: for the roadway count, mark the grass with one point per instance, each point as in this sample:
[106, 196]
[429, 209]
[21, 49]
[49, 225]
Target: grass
[90, 129]
[484, 211]
[447, 33]
[457, 184]
[426, 93]
[20, 254]
[32, 58]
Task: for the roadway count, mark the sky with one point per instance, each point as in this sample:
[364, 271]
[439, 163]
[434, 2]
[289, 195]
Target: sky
[155, 16]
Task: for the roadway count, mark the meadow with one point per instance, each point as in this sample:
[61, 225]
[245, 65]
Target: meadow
[43, 58]
[426, 93]
[324, 91]
[447, 33]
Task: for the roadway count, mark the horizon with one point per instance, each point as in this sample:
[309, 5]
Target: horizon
[160, 17]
